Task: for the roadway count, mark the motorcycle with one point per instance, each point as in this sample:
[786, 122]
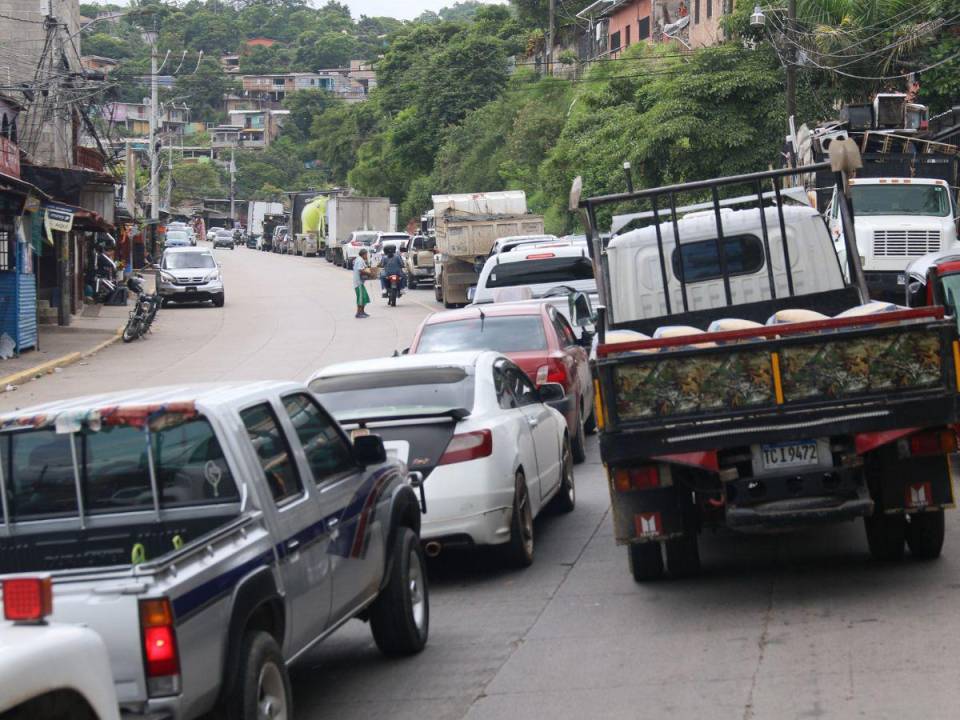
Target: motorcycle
[393, 289]
[144, 310]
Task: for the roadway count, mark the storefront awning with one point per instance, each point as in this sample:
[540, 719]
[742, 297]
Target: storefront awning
[21, 187]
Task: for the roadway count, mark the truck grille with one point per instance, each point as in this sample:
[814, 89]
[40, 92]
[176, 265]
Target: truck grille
[905, 243]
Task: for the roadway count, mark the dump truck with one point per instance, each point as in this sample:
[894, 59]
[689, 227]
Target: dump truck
[346, 214]
[744, 380]
[466, 228]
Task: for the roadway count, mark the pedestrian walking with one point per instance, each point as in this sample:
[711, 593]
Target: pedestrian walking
[359, 276]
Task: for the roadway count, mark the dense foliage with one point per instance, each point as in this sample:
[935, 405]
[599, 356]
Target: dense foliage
[457, 109]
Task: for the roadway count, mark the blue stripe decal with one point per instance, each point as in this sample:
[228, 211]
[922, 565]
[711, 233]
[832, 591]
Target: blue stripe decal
[194, 599]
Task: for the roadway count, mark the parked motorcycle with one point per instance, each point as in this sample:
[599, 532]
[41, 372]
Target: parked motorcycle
[144, 310]
[393, 289]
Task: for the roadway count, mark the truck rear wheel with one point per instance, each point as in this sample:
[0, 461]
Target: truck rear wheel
[262, 687]
[885, 535]
[400, 616]
[646, 561]
[925, 533]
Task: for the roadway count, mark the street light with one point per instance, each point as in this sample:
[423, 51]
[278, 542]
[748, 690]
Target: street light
[758, 19]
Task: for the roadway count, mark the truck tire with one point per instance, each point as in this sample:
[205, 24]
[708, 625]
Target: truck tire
[400, 616]
[646, 561]
[683, 556]
[566, 498]
[262, 687]
[519, 549]
[925, 533]
[885, 535]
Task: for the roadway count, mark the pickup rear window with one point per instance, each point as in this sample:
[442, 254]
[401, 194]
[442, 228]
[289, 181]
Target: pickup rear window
[744, 256]
[114, 470]
[554, 270]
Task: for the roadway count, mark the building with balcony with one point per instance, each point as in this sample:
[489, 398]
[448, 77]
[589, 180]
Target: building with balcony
[134, 118]
[98, 64]
[351, 84]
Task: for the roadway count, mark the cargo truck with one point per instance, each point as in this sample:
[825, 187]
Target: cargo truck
[347, 214]
[256, 211]
[466, 228]
[742, 381]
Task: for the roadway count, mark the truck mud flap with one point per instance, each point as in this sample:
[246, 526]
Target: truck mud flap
[913, 484]
[646, 515]
[799, 512]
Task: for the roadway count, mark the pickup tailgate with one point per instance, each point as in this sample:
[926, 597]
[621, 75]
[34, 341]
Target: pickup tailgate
[108, 605]
[828, 377]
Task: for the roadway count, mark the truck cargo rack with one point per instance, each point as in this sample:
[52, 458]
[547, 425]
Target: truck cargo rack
[663, 203]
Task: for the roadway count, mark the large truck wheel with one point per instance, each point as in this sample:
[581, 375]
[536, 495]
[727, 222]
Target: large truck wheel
[925, 533]
[885, 535]
[683, 556]
[646, 561]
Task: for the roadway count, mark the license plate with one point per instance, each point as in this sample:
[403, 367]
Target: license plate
[790, 454]
[191, 289]
[901, 279]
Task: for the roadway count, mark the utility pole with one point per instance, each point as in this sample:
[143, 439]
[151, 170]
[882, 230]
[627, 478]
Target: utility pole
[151, 37]
[550, 33]
[791, 60]
[233, 169]
[170, 174]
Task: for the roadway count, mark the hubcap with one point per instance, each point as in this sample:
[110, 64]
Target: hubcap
[271, 694]
[415, 586]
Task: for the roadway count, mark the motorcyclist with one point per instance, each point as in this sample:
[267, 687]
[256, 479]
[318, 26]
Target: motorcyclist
[392, 264]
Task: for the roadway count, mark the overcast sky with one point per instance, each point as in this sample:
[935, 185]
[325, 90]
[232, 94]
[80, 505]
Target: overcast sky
[402, 9]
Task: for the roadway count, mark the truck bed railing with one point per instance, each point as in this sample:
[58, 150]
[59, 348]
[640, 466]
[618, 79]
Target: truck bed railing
[663, 204]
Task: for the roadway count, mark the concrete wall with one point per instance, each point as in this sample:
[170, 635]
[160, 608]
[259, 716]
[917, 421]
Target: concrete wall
[626, 20]
[707, 31]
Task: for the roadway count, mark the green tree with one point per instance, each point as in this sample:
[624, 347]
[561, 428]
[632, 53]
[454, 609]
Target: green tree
[316, 50]
[196, 180]
[305, 106]
[204, 90]
[107, 46]
[260, 60]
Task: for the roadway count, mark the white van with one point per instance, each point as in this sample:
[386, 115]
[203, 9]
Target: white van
[542, 269]
[636, 285]
[897, 220]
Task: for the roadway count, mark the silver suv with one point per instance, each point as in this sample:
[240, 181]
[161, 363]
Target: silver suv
[190, 274]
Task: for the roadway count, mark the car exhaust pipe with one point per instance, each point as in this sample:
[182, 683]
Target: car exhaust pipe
[432, 548]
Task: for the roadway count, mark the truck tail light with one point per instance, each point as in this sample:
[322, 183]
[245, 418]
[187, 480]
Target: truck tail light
[468, 446]
[639, 478]
[160, 656]
[936, 442]
[27, 600]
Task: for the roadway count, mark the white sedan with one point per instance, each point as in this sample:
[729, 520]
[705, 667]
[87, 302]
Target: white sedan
[490, 447]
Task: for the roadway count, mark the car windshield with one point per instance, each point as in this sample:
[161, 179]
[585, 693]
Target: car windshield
[188, 261]
[553, 270]
[900, 199]
[517, 333]
[177, 235]
[397, 392]
[365, 238]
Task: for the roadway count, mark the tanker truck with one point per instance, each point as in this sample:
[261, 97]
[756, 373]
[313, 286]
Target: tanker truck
[466, 228]
[313, 218]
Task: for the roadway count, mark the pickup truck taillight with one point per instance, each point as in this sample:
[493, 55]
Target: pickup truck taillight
[638, 478]
[27, 599]
[160, 657]
[467, 446]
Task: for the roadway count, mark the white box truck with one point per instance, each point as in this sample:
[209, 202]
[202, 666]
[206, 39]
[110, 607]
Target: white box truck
[347, 214]
[256, 210]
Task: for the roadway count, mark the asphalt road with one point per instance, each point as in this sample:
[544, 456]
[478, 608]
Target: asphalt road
[797, 626]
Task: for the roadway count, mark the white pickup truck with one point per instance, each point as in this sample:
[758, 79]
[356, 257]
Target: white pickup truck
[898, 220]
[50, 671]
[211, 535]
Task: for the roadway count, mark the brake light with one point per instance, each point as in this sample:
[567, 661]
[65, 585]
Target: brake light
[468, 446]
[161, 659]
[641, 478]
[554, 372]
[27, 599]
[540, 256]
[937, 442]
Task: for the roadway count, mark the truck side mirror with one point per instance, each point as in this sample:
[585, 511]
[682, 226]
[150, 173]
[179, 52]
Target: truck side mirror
[368, 450]
[915, 296]
[581, 310]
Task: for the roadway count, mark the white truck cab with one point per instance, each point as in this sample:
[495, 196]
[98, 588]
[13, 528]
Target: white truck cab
[636, 283]
[897, 220]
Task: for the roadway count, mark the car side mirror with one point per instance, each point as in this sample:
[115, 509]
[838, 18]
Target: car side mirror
[552, 394]
[368, 450]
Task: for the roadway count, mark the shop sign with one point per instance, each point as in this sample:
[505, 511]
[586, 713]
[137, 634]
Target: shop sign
[59, 217]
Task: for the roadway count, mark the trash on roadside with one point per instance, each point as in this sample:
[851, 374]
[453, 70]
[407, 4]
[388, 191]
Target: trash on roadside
[10, 388]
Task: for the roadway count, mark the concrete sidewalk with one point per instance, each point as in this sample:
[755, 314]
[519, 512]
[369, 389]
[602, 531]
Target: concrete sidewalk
[93, 329]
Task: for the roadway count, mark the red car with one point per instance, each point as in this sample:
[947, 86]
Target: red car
[535, 336]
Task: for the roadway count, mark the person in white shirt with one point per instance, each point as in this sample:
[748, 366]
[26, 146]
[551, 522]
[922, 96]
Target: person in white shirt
[360, 290]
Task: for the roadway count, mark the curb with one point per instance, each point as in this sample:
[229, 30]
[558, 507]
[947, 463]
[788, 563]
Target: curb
[25, 376]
